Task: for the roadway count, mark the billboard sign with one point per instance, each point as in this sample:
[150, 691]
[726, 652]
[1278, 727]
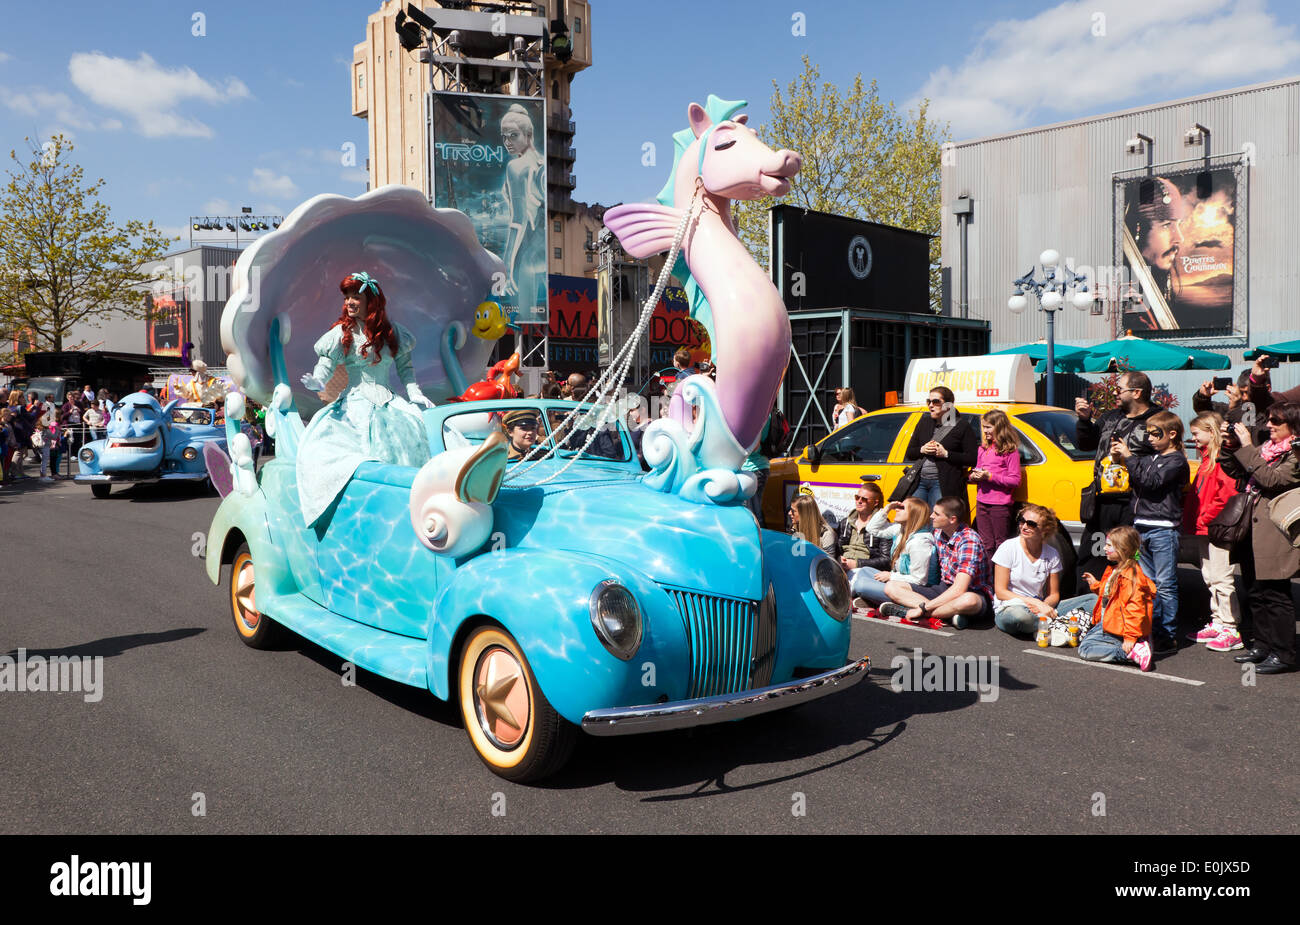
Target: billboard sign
[489, 161]
[1176, 237]
[168, 326]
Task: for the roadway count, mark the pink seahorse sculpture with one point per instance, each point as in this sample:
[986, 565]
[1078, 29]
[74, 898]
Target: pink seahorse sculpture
[730, 294]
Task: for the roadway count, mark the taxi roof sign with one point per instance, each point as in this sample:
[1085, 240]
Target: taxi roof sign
[987, 378]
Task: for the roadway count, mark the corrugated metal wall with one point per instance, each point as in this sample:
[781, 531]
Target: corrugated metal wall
[1051, 187]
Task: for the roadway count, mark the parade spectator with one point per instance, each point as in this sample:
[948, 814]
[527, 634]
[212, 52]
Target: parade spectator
[806, 521]
[866, 542]
[946, 446]
[964, 592]
[93, 419]
[1111, 500]
[87, 394]
[1210, 492]
[1270, 562]
[8, 444]
[682, 363]
[1122, 602]
[44, 430]
[997, 474]
[1158, 482]
[913, 559]
[1248, 399]
[1027, 573]
[846, 408]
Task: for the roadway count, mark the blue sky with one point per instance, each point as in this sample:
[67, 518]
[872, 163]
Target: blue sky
[256, 111]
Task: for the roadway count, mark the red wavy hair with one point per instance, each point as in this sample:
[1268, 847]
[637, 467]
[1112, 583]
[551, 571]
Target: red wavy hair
[379, 330]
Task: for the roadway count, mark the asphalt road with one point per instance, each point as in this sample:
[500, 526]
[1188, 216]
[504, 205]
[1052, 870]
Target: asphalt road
[275, 742]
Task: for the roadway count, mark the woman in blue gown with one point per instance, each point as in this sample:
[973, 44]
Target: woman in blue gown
[367, 421]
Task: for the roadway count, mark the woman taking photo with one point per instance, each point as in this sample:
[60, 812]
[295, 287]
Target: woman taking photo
[1270, 563]
[997, 473]
[946, 446]
[806, 521]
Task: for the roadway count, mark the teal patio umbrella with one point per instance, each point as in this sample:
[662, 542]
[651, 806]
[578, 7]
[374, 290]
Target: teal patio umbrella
[1287, 350]
[1068, 359]
[1140, 353]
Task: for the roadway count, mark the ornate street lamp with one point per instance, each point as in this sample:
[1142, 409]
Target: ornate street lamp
[1058, 283]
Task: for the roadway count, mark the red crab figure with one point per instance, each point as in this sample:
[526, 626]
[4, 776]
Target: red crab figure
[498, 384]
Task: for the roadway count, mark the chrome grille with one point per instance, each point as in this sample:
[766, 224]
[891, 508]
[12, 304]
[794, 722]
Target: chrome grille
[733, 641]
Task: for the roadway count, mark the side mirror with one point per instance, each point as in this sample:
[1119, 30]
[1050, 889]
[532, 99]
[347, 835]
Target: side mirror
[814, 454]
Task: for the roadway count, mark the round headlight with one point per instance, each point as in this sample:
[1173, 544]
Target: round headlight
[86, 455]
[190, 453]
[831, 587]
[616, 618]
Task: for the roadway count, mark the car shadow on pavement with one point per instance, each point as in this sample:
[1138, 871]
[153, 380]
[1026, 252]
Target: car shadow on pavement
[113, 645]
[159, 492]
[862, 719]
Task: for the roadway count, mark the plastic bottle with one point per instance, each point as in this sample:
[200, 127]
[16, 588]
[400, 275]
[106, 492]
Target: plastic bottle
[1074, 630]
[1044, 631]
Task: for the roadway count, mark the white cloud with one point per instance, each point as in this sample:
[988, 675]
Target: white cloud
[354, 175]
[4, 56]
[152, 96]
[1054, 66]
[217, 207]
[48, 104]
[268, 183]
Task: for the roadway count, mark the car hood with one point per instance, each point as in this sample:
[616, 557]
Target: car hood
[714, 549]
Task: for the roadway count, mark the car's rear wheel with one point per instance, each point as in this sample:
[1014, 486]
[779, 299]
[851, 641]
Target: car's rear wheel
[101, 489]
[511, 724]
[255, 628]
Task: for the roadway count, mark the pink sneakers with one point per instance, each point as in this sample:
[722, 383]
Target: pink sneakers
[1226, 641]
[1141, 655]
[1207, 633]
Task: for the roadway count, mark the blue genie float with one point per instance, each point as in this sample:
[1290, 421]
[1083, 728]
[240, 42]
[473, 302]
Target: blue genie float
[518, 562]
[148, 442]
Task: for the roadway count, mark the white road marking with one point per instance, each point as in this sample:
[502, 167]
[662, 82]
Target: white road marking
[905, 626]
[1131, 669]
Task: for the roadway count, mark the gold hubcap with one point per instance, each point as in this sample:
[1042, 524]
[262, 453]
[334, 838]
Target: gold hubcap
[501, 697]
[245, 597]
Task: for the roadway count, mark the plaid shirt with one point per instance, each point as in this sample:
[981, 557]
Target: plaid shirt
[964, 552]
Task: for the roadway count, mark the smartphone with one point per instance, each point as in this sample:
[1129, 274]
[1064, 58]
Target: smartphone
[1222, 382]
[1270, 363]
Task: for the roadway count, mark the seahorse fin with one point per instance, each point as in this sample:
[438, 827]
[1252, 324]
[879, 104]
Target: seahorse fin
[644, 228]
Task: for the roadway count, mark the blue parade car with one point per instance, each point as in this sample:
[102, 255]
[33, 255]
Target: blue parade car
[593, 602]
[147, 442]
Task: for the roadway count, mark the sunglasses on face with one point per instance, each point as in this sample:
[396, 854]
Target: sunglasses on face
[1031, 524]
[861, 497]
[934, 401]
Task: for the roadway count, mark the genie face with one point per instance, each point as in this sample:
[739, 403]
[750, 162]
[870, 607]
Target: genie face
[135, 435]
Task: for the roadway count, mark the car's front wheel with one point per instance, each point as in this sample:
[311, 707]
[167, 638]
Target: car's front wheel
[511, 724]
[255, 628]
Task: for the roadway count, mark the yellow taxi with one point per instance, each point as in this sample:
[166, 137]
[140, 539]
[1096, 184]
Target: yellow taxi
[872, 446]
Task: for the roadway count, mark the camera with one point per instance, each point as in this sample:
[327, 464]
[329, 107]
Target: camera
[1222, 382]
[1269, 363]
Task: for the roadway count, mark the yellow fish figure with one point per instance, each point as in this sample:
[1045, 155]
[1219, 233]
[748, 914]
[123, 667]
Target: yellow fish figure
[490, 321]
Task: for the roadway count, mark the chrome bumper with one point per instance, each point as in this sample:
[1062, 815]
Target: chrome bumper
[656, 717]
[140, 480]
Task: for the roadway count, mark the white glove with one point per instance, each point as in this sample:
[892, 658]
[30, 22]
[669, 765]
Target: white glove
[416, 396]
[311, 382]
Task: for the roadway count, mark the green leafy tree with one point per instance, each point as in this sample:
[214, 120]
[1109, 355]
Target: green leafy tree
[62, 259]
[861, 158]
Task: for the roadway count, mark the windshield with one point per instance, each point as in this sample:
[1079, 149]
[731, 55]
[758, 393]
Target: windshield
[527, 426]
[1060, 428]
[46, 388]
[191, 416]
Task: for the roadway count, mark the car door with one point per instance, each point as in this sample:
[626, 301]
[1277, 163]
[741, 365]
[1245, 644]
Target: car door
[871, 446]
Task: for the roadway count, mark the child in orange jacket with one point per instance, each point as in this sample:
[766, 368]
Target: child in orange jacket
[1121, 629]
